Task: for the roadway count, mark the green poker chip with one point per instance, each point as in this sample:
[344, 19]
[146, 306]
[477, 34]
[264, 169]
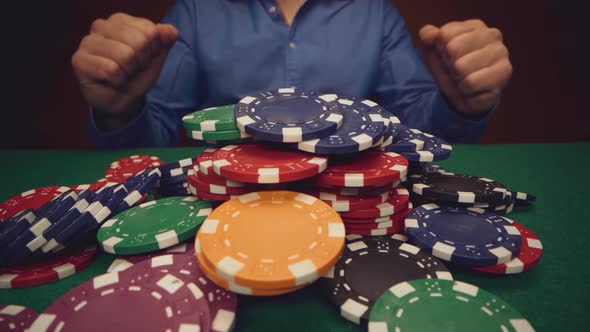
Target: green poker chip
[443, 305]
[153, 225]
[223, 135]
[211, 119]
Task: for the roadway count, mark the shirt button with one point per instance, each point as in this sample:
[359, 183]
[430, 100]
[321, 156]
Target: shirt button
[292, 45]
[272, 9]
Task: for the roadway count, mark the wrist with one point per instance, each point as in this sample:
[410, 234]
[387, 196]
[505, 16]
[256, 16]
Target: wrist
[111, 121]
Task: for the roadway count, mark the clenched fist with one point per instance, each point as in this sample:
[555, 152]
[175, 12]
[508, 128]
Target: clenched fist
[120, 60]
[469, 62]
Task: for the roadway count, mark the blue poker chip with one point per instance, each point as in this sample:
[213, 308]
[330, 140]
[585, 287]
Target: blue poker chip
[391, 121]
[140, 186]
[435, 149]
[84, 199]
[21, 248]
[15, 225]
[463, 236]
[289, 115]
[405, 139]
[362, 127]
[175, 168]
[92, 214]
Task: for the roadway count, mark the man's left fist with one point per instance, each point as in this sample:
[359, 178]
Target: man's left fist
[469, 62]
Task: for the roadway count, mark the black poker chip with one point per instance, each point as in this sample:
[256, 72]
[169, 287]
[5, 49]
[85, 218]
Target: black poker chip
[457, 188]
[369, 266]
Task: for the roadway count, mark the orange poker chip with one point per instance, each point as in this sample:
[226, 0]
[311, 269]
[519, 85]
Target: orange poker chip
[209, 272]
[272, 239]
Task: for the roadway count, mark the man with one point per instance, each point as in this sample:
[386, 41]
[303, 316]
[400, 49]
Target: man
[140, 78]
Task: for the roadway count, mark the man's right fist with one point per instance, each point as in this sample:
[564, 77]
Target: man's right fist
[120, 60]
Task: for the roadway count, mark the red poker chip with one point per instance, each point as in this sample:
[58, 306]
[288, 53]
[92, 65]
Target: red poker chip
[376, 232]
[44, 272]
[349, 203]
[30, 199]
[265, 164]
[364, 191]
[129, 166]
[398, 201]
[371, 168]
[204, 163]
[528, 257]
[201, 186]
[218, 180]
[209, 196]
[370, 223]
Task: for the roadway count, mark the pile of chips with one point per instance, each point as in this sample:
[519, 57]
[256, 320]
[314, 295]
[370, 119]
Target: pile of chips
[297, 187]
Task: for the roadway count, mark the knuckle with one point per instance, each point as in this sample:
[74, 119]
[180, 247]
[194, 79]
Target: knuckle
[495, 34]
[97, 25]
[117, 16]
[75, 60]
[469, 84]
[454, 51]
[476, 22]
[110, 70]
[460, 68]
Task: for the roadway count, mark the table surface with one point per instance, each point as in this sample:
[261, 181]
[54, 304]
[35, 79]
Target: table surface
[553, 296]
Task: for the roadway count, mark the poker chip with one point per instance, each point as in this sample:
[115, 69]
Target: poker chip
[20, 248]
[200, 185]
[391, 122]
[153, 225]
[222, 304]
[166, 302]
[362, 126]
[99, 210]
[523, 198]
[122, 169]
[394, 225]
[369, 266]
[209, 272]
[450, 306]
[435, 149]
[458, 188]
[146, 181]
[371, 168]
[349, 203]
[16, 318]
[288, 115]
[471, 237]
[15, 225]
[211, 119]
[396, 219]
[84, 200]
[48, 270]
[397, 201]
[30, 199]
[358, 191]
[257, 163]
[405, 139]
[294, 237]
[122, 263]
[528, 256]
[222, 135]
[209, 196]
[218, 180]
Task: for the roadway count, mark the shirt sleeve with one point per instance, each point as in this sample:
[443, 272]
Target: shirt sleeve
[173, 94]
[406, 88]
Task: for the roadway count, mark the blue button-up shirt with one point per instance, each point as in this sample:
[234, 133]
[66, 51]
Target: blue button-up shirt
[229, 49]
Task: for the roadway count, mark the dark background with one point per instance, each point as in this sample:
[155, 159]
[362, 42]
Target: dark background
[545, 101]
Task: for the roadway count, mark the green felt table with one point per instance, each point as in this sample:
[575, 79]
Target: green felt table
[553, 296]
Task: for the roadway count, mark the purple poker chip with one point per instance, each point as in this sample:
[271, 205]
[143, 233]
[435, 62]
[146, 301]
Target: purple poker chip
[145, 300]
[222, 303]
[16, 318]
